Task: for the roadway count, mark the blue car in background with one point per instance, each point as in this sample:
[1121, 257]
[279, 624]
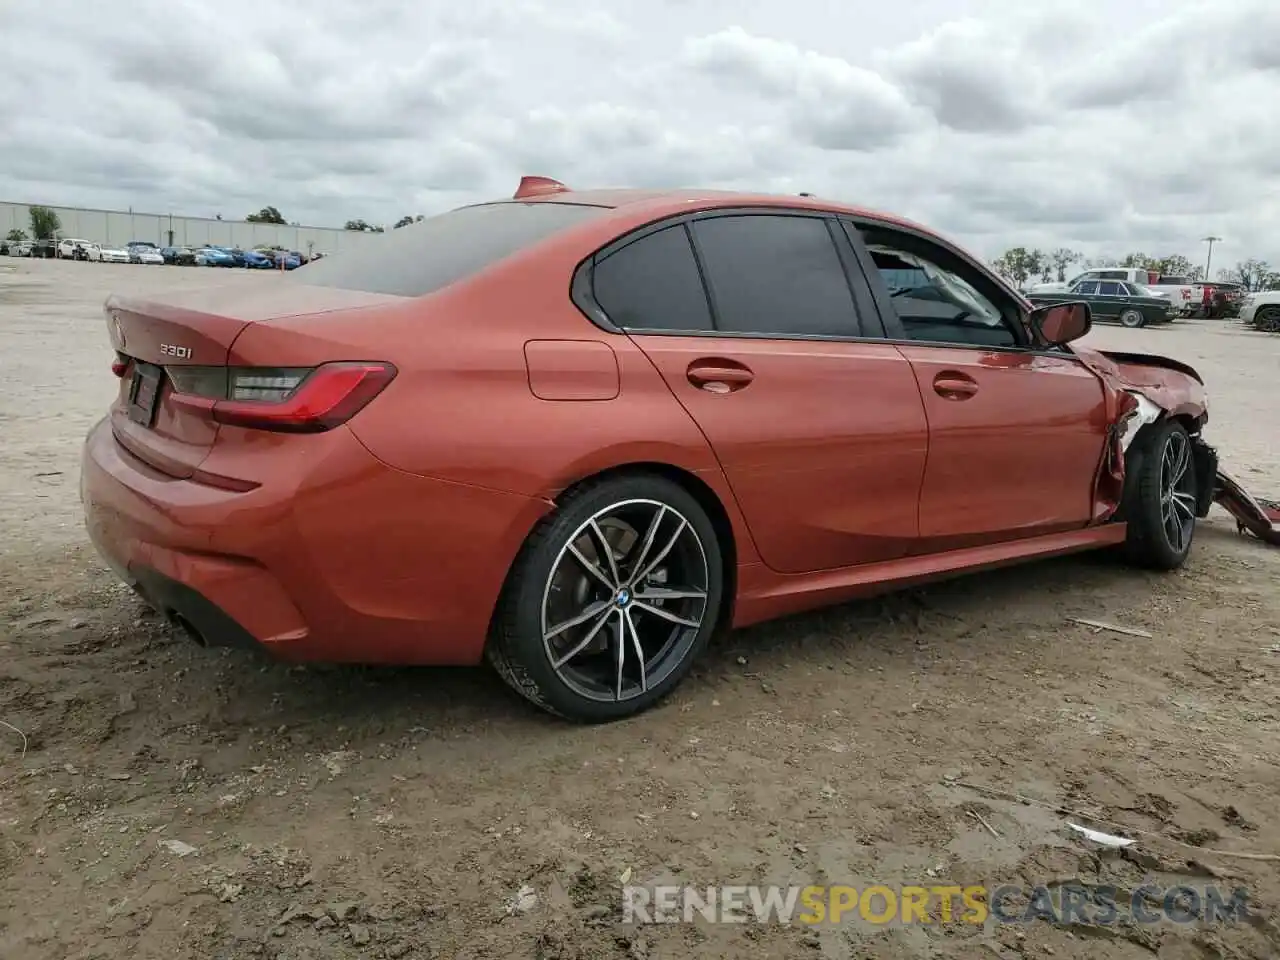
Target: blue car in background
[257, 260]
[235, 253]
[214, 257]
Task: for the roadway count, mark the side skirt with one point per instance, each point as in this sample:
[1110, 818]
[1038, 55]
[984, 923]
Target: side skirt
[764, 595]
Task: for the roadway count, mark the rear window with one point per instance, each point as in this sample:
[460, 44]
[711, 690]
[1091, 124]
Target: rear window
[424, 257]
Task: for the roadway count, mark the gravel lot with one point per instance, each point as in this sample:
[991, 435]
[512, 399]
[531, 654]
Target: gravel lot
[413, 804]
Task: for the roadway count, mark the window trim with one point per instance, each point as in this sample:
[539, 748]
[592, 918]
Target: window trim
[866, 326]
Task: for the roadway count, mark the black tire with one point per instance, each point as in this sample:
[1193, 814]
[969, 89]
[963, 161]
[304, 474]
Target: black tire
[1161, 520]
[546, 574]
[1132, 318]
[1267, 319]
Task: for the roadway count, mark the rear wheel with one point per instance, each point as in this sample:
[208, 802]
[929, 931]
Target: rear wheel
[1161, 497]
[1133, 318]
[610, 601]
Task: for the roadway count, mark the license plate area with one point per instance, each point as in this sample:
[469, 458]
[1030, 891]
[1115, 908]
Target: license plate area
[144, 393]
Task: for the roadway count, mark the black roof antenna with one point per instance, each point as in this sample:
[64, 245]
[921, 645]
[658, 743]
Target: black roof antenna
[804, 194]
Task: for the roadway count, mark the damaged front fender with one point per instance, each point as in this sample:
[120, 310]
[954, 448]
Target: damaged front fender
[1143, 389]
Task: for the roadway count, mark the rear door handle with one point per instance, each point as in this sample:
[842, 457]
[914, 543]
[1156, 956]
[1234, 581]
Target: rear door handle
[718, 376]
[954, 386]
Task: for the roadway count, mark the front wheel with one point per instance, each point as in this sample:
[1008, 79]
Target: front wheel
[1267, 319]
[1161, 497]
[1133, 318]
[611, 600]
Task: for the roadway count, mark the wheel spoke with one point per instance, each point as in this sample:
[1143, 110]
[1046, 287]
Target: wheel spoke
[666, 614]
[591, 568]
[668, 593]
[639, 575]
[635, 643]
[649, 536]
[1185, 503]
[1173, 527]
[591, 611]
[621, 644]
[602, 543]
[585, 641]
[1181, 464]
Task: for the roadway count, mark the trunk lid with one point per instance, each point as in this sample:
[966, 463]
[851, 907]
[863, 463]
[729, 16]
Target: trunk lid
[155, 339]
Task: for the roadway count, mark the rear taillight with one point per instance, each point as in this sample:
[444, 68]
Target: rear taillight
[120, 365]
[289, 400]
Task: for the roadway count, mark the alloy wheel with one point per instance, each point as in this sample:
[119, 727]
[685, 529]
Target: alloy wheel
[625, 600]
[1177, 491]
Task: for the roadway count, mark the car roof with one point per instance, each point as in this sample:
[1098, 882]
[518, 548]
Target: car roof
[660, 202]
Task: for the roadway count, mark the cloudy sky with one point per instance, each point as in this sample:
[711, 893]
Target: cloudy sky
[1104, 125]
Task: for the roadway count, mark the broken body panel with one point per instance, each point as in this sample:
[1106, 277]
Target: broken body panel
[1143, 389]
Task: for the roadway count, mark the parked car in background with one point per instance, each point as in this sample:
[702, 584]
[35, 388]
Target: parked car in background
[178, 256]
[66, 248]
[46, 249]
[109, 254]
[1225, 297]
[256, 260]
[214, 257]
[1131, 304]
[1179, 290]
[1261, 309]
[142, 252]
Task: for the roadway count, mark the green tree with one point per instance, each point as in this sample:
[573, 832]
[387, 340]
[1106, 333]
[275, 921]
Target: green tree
[1175, 265]
[266, 215]
[1250, 274]
[406, 220]
[361, 226]
[15, 235]
[1060, 259]
[1018, 265]
[1139, 260]
[45, 223]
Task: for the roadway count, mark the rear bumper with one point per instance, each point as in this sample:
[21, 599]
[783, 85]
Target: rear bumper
[338, 559]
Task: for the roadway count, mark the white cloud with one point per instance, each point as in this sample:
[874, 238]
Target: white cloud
[1109, 126]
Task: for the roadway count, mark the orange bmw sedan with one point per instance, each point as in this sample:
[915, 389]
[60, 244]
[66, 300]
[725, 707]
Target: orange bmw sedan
[574, 433]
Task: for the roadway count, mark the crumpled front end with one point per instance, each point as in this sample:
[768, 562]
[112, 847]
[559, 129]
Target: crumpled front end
[1145, 389]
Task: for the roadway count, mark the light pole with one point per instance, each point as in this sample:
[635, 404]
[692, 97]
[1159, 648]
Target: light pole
[1209, 259]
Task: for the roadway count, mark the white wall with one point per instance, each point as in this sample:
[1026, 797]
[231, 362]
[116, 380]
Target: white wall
[119, 227]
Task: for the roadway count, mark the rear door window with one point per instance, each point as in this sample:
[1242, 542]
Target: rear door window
[772, 274]
[425, 257]
[653, 284]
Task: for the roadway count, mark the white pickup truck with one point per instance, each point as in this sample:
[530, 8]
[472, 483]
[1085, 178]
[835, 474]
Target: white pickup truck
[1180, 291]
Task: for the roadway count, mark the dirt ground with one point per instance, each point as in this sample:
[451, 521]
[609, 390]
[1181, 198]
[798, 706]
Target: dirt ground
[340, 813]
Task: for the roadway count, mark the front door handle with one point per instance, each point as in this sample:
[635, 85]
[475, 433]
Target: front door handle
[719, 376]
[954, 386]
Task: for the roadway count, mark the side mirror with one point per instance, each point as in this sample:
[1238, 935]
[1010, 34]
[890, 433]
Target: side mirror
[1059, 323]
